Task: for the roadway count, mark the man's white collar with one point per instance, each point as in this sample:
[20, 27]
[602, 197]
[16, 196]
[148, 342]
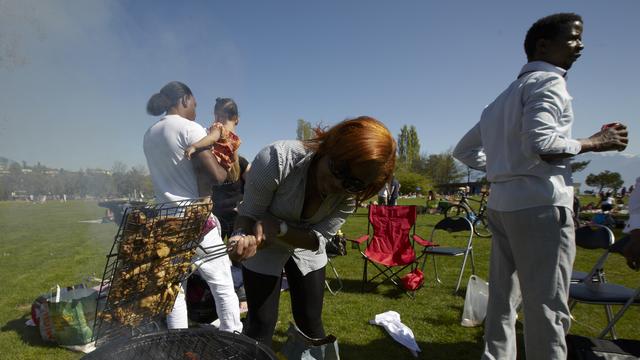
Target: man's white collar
[542, 66]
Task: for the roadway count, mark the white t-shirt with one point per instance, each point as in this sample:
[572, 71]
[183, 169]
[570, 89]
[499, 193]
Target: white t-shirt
[172, 173]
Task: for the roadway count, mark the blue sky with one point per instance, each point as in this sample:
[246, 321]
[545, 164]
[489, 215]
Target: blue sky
[76, 75]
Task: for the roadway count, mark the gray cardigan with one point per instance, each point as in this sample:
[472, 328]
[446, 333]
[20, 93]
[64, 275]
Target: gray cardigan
[276, 184]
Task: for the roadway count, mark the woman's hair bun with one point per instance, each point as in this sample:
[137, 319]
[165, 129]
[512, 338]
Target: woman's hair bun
[158, 104]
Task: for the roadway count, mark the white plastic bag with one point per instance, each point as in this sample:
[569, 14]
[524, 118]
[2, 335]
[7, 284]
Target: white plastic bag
[475, 302]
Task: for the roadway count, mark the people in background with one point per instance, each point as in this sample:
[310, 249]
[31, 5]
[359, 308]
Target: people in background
[432, 202]
[297, 195]
[632, 250]
[226, 198]
[383, 195]
[607, 202]
[394, 191]
[523, 141]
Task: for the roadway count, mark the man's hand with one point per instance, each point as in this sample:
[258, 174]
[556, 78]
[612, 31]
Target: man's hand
[610, 137]
[632, 251]
[614, 137]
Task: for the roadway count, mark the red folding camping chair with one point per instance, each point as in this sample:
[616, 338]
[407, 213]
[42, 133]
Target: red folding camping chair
[389, 247]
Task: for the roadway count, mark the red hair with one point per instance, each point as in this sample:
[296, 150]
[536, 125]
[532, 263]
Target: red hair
[358, 141]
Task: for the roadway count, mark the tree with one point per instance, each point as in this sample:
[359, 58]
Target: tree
[605, 179]
[408, 146]
[409, 181]
[577, 166]
[443, 169]
[122, 184]
[119, 168]
[304, 130]
[419, 165]
[140, 180]
[402, 145]
[471, 174]
[14, 181]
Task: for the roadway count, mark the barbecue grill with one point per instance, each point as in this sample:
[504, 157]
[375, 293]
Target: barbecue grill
[185, 344]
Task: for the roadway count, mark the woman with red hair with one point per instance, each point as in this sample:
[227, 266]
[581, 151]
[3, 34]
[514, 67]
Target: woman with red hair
[297, 195]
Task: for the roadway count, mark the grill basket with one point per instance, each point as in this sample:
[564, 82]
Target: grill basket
[150, 257]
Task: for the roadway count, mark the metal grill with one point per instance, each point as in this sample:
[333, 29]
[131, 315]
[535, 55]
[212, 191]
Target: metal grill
[150, 257]
[185, 344]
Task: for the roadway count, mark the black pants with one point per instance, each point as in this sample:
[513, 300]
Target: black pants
[263, 297]
[226, 224]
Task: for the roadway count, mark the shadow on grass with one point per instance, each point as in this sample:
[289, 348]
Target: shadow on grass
[355, 287]
[386, 289]
[386, 348]
[30, 335]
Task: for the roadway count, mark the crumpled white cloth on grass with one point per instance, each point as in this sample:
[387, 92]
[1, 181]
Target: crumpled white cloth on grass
[400, 332]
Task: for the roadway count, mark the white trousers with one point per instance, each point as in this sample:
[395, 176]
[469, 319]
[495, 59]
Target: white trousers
[217, 273]
[532, 254]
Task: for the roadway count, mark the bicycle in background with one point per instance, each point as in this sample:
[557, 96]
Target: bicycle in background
[478, 219]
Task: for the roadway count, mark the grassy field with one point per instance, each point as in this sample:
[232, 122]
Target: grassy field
[42, 245]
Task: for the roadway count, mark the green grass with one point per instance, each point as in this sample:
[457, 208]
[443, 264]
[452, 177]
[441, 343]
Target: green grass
[42, 245]
[45, 244]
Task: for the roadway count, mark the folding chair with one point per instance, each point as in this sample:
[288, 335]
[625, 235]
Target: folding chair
[390, 243]
[599, 292]
[451, 225]
[593, 237]
[337, 288]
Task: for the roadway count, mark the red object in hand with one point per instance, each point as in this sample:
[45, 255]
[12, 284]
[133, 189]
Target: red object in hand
[606, 126]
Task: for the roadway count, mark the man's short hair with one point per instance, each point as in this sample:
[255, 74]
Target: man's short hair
[546, 28]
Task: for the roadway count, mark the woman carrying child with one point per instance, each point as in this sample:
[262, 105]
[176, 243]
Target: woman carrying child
[175, 178]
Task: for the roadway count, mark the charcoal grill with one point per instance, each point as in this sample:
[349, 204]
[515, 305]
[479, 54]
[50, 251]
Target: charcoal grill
[185, 344]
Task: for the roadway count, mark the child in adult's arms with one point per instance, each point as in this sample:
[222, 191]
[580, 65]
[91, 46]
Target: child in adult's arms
[223, 139]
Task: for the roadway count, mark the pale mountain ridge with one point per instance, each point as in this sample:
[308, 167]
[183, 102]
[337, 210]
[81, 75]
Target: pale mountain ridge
[626, 164]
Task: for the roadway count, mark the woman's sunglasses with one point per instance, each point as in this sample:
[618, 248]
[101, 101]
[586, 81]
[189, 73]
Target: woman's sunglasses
[350, 184]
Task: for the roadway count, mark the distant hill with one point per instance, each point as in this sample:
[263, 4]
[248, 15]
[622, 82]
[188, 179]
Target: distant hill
[4, 162]
[627, 165]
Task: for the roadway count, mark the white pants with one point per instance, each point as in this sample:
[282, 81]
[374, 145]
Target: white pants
[217, 273]
[532, 254]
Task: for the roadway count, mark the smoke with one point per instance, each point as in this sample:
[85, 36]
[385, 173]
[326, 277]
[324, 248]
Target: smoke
[77, 74]
[41, 72]
[17, 22]
[30, 28]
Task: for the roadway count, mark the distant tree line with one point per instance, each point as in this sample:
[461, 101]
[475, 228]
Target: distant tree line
[416, 169]
[39, 180]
